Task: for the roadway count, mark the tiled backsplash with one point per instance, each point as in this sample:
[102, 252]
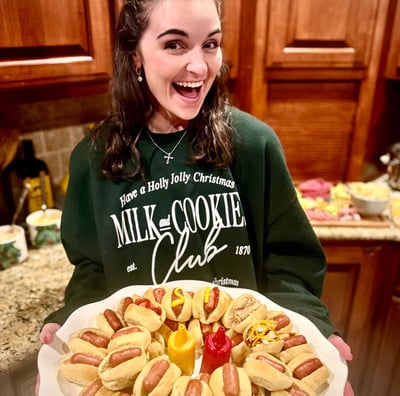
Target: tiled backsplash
[54, 147]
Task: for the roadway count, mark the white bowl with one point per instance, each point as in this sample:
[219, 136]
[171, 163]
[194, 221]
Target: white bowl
[13, 247]
[367, 206]
[370, 199]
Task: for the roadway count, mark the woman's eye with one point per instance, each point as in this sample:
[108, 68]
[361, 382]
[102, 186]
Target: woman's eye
[173, 45]
[212, 44]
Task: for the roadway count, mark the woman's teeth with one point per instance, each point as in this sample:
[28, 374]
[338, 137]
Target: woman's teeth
[189, 84]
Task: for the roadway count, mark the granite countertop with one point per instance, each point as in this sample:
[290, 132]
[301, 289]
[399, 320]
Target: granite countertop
[33, 289]
[29, 292]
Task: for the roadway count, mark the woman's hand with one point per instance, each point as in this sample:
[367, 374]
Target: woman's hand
[345, 353]
[46, 336]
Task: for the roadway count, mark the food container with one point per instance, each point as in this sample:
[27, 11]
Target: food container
[370, 199]
[392, 160]
[44, 227]
[13, 247]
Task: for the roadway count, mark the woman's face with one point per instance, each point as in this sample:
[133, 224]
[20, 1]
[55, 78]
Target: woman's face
[180, 53]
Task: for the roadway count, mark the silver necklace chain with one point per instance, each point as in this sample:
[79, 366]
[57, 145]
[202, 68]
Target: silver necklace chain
[168, 155]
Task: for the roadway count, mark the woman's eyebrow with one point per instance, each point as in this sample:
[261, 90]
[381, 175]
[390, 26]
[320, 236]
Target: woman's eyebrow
[180, 32]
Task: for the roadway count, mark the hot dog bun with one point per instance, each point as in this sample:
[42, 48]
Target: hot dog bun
[230, 379]
[193, 386]
[96, 388]
[242, 311]
[209, 304]
[261, 336]
[120, 367]
[177, 304]
[296, 386]
[156, 378]
[262, 371]
[80, 368]
[156, 293]
[109, 321]
[90, 339]
[146, 313]
[130, 336]
[309, 369]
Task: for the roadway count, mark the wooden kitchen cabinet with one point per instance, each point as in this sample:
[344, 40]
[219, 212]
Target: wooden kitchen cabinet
[358, 291]
[48, 44]
[334, 34]
[392, 69]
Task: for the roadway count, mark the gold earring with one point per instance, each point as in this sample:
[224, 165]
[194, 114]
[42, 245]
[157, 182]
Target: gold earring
[139, 73]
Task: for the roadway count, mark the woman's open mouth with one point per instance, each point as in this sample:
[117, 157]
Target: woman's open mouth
[188, 89]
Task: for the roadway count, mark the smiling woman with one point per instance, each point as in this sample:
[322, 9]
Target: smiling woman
[178, 185]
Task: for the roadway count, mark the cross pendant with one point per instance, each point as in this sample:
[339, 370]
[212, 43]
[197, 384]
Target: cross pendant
[168, 157]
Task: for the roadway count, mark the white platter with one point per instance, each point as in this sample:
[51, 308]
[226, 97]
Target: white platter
[50, 356]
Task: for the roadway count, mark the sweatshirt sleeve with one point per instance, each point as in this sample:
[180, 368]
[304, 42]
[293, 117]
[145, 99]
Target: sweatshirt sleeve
[294, 261]
[79, 238]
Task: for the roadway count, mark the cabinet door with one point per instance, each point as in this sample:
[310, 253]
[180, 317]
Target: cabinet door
[393, 60]
[351, 290]
[231, 35]
[320, 34]
[387, 375]
[46, 42]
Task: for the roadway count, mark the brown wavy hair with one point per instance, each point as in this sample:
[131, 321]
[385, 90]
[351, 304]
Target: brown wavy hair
[131, 103]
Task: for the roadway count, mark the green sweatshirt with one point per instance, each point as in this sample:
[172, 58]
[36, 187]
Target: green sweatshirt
[238, 227]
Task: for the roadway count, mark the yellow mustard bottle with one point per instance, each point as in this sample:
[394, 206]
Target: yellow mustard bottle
[181, 349]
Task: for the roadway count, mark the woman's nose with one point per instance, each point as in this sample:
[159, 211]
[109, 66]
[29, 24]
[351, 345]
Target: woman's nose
[197, 63]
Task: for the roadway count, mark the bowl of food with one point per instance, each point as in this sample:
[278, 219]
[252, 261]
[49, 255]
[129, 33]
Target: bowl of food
[370, 199]
[44, 227]
[13, 247]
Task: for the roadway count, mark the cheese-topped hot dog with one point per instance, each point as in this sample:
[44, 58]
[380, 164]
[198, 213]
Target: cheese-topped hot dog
[156, 378]
[267, 371]
[188, 386]
[146, 313]
[230, 380]
[120, 367]
[177, 304]
[81, 368]
[242, 311]
[209, 304]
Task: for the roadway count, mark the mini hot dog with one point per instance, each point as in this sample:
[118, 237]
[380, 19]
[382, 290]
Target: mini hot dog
[177, 304]
[156, 378]
[242, 311]
[96, 388]
[130, 336]
[209, 304]
[298, 388]
[81, 368]
[109, 321]
[120, 367]
[90, 340]
[144, 312]
[261, 336]
[267, 371]
[230, 380]
[282, 322]
[293, 346]
[156, 294]
[188, 386]
[309, 369]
